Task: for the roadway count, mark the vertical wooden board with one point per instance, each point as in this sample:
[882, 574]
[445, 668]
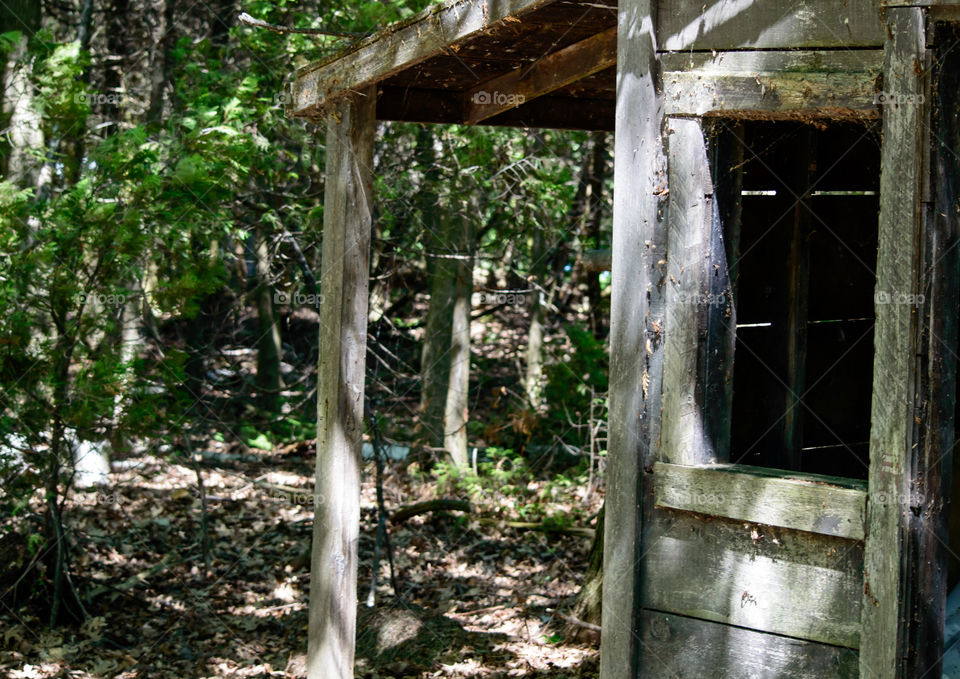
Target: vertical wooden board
[892, 409]
[772, 24]
[684, 433]
[928, 552]
[639, 187]
[727, 176]
[678, 647]
[778, 580]
[348, 202]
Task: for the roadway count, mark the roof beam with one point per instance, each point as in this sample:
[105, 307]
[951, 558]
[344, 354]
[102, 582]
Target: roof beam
[434, 31]
[550, 73]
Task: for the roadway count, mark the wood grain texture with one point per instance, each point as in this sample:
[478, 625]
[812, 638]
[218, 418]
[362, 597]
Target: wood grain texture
[397, 47]
[348, 203]
[726, 167]
[832, 84]
[930, 552]
[679, 647]
[892, 409]
[738, 24]
[807, 502]
[639, 188]
[684, 438]
[546, 75]
[768, 579]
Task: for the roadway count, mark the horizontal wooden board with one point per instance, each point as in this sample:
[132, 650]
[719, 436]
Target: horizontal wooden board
[837, 84]
[794, 583]
[550, 73]
[807, 502]
[674, 646]
[771, 24]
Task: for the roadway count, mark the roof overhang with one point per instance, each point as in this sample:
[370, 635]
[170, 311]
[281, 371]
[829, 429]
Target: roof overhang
[525, 63]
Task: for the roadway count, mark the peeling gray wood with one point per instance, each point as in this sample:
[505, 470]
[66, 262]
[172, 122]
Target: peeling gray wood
[768, 579]
[432, 32]
[726, 24]
[550, 73]
[831, 84]
[807, 502]
[678, 646]
[639, 188]
[348, 203]
[894, 372]
[684, 435]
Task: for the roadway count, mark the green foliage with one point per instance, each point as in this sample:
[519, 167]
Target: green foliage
[576, 379]
[505, 485]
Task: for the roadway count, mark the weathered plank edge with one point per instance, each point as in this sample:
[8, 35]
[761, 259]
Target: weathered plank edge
[894, 368]
[686, 25]
[832, 95]
[709, 649]
[639, 193]
[811, 505]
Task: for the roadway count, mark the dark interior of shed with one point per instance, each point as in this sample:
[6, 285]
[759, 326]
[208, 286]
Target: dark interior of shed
[803, 268]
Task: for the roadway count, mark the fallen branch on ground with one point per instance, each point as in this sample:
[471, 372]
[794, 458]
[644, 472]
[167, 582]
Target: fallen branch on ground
[576, 621]
[408, 512]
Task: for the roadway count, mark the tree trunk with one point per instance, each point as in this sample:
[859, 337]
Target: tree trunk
[269, 350]
[456, 411]
[593, 212]
[587, 606]
[533, 380]
[435, 355]
[19, 115]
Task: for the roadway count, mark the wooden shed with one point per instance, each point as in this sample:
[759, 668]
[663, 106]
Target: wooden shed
[784, 311]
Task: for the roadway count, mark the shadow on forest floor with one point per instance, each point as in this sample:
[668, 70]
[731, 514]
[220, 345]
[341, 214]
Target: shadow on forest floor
[475, 599]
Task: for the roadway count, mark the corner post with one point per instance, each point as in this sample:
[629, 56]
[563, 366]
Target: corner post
[348, 202]
[636, 325]
[896, 366]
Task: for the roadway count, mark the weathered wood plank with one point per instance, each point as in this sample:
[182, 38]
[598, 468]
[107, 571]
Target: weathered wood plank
[639, 193]
[677, 646]
[550, 73]
[772, 24]
[726, 167]
[794, 583]
[685, 438]
[894, 374]
[401, 45]
[832, 84]
[343, 340]
[929, 525]
[807, 502]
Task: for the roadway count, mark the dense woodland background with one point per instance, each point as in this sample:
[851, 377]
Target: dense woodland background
[160, 235]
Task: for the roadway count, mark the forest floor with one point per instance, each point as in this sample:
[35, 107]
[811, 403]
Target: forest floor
[477, 598]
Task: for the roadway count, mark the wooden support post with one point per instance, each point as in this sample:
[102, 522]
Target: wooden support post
[895, 359]
[635, 328]
[928, 528]
[348, 202]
